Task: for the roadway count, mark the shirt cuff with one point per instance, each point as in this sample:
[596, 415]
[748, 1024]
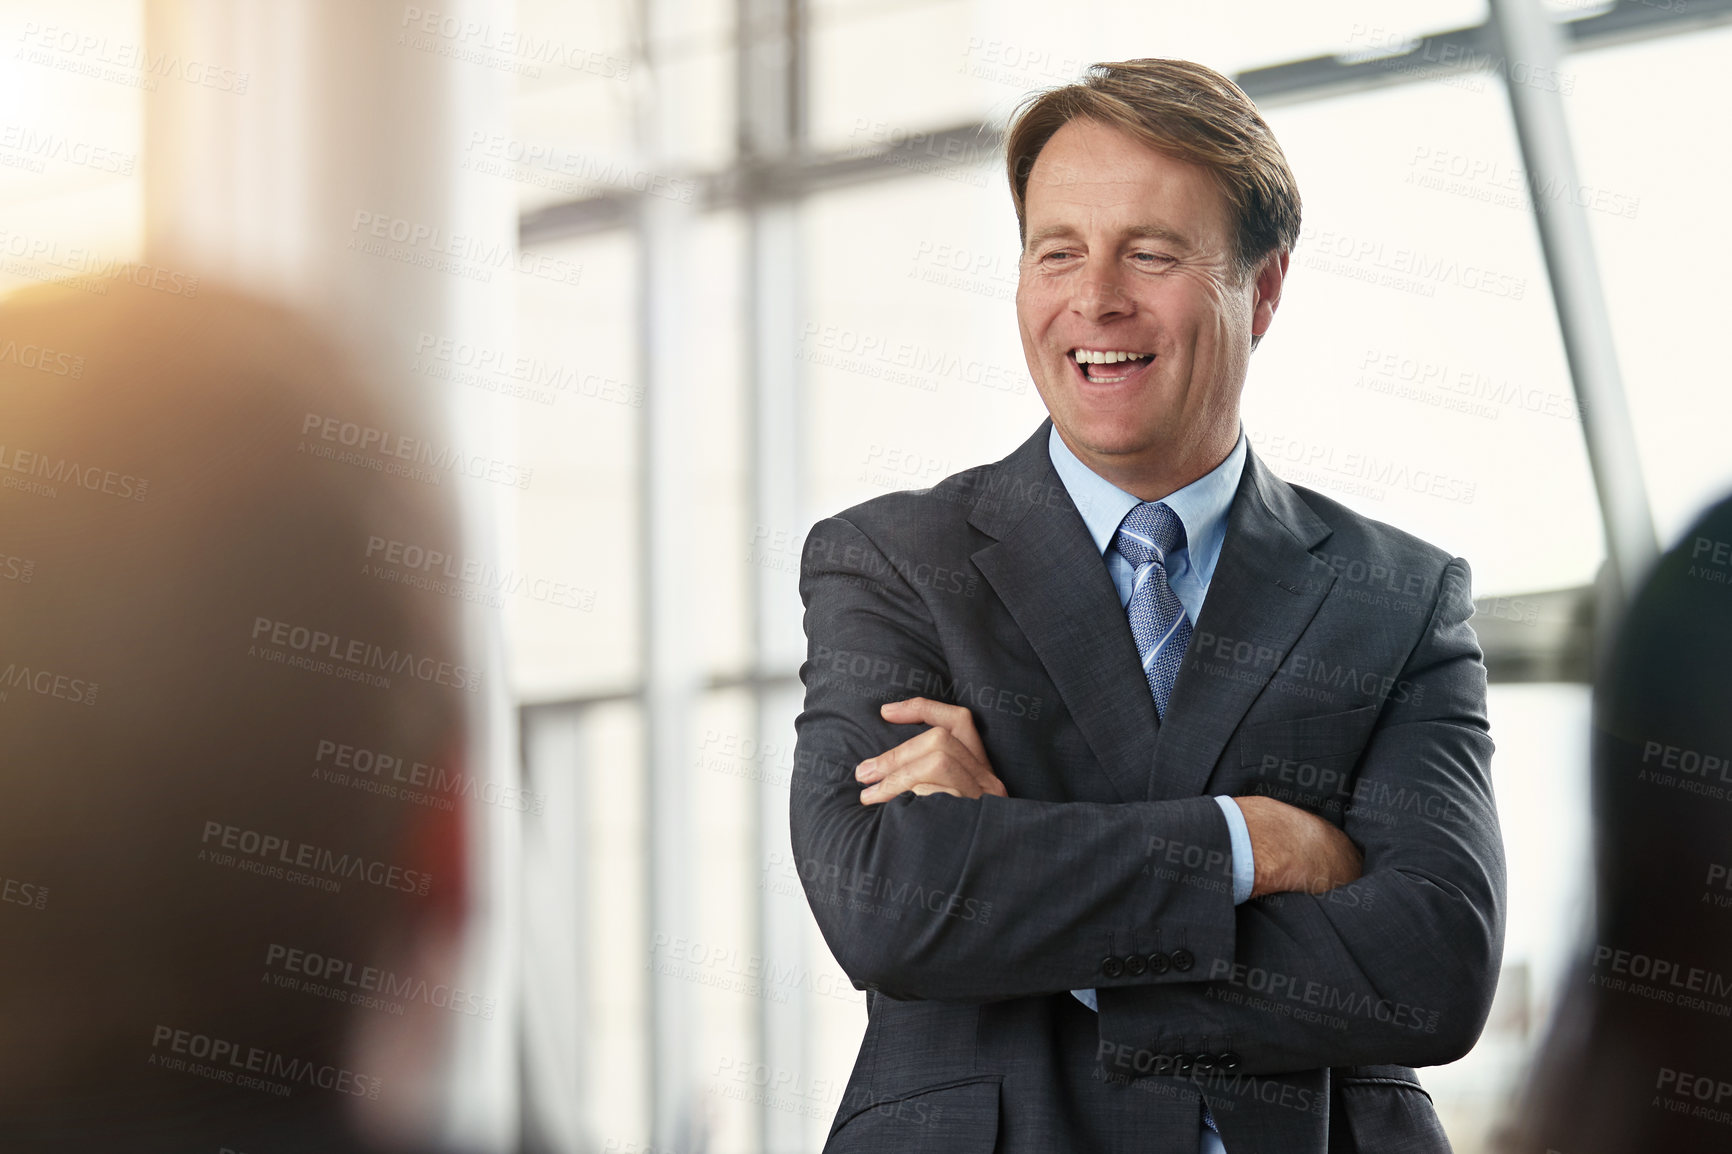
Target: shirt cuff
[1087, 998]
[1244, 867]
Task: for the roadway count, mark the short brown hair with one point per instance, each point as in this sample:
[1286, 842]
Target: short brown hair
[1186, 111]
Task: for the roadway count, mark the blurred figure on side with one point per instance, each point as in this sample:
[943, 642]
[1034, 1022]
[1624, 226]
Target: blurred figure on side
[1639, 1055]
[231, 853]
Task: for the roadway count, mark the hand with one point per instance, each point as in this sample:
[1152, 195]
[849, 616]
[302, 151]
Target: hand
[948, 758]
[1296, 851]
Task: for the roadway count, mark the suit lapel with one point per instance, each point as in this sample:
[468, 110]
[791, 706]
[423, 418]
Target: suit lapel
[1046, 569]
[1266, 588]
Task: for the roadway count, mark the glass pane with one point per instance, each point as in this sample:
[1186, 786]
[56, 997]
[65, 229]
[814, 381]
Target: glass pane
[922, 64]
[576, 134]
[579, 403]
[913, 367]
[1648, 178]
[579, 57]
[571, 142]
[895, 66]
[1540, 775]
[1414, 371]
[585, 991]
[720, 955]
[71, 132]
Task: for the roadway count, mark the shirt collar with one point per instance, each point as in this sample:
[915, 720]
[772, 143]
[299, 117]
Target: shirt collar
[1201, 506]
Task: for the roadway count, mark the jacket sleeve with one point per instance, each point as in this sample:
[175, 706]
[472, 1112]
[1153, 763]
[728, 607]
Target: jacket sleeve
[1398, 967]
[961, 899]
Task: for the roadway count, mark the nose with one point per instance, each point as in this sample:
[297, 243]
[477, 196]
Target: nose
[1099, 295]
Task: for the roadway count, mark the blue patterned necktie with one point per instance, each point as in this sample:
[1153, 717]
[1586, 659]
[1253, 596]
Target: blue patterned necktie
[1149, 534]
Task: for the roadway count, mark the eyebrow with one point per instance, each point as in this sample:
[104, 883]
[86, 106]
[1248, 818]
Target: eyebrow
[1142, 231]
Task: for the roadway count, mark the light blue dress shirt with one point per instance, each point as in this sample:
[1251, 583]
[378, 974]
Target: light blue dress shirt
[1202, 508]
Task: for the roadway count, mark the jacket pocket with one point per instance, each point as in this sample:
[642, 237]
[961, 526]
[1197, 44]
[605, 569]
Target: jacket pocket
[954, 1118]
[1324, 737]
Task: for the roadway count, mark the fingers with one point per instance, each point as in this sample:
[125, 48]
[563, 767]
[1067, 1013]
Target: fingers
[922, 775]
[922, 789]
[947, 770]
[954, 719]
[933, 759]
[947, 758]
[895, 759]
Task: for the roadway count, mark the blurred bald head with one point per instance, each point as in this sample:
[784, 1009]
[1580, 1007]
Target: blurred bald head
[210, 694]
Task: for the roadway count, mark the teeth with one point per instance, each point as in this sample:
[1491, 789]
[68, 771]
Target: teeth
[1091, 357]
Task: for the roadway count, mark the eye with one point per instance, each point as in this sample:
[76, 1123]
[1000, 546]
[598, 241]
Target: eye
[1152, 259]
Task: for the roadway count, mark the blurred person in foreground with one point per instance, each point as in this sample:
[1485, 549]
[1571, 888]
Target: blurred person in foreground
[229, 924]
[1639, 1053]
[1146, 794]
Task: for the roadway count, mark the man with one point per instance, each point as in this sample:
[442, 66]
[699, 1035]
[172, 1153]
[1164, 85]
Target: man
[1095, 736]
[231, 898]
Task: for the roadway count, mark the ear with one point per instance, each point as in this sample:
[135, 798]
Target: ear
[436, 844]
[1267, 291]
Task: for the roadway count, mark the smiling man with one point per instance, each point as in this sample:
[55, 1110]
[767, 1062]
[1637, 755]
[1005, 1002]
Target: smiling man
[1164, 831]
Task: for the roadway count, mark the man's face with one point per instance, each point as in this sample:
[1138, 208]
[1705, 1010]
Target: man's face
[1130, 251]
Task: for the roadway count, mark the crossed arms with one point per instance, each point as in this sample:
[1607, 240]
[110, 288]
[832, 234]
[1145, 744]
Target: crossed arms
[1406, 954]
[1293, 850]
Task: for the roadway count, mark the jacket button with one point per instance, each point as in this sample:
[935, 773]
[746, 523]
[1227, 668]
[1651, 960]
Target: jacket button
[1183, 960]
[1112, 967]
[1203, 1062]
[1228, 1061]
[1135, 965]
[1159, 963]
[1182, 1063]
[1163, 1064]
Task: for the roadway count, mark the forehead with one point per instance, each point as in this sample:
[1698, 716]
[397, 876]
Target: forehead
[1092, 176]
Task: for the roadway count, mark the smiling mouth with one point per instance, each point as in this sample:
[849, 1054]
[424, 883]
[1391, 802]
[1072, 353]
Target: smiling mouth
[1105, 366]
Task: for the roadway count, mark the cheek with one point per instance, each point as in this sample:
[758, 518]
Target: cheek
[1034, 291]
[1205, 309]
[1035, 310]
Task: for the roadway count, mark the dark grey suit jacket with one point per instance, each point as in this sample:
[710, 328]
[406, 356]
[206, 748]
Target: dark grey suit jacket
[1332, 668]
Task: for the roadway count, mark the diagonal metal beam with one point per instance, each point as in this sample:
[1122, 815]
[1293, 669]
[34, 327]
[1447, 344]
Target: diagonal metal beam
[1526, 34]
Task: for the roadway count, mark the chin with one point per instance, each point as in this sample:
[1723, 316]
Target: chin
[1110, 436]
